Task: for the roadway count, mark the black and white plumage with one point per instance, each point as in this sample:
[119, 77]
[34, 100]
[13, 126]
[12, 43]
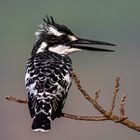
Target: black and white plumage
[48, 72]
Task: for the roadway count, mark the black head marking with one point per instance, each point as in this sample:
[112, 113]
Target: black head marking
[48, 25]
[49, 21]
[51, 33]
[59, 39]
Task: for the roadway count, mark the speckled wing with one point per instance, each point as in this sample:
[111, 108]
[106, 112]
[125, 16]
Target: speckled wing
[48, 79]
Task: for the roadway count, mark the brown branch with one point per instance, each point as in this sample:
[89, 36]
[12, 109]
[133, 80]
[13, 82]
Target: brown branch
[106, 115]
[84, 118]
[122, 110]
[87, 96]
[15, 99]
[70, 116]
[116, 89]
[97, 95]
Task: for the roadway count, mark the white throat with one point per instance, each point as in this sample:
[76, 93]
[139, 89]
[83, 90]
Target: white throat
[62, 49]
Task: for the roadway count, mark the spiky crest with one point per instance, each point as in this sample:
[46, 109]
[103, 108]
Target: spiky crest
[51, 27]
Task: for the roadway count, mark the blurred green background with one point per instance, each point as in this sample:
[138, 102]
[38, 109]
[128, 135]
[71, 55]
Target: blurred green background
[116, 21]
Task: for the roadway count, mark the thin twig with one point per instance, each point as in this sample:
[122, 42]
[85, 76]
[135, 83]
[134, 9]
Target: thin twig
[12, 98]
[122, 110]
[87, 96]
[97, 95]
[108, 115]
[116, 89]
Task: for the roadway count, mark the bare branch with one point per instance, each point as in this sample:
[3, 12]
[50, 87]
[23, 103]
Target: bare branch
[84, 118]
[97, 95]
[66, 115]
[15, 99]
[122, 110]
[116, 89]
[106, 115]
[87, 96]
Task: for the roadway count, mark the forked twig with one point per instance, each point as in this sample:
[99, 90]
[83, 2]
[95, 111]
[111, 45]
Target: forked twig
[107, 114]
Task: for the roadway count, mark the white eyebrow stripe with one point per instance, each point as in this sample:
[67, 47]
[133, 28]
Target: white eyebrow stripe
[73, 38]
[54, 31]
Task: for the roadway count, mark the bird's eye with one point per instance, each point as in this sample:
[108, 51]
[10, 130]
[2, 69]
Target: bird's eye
[64, 39]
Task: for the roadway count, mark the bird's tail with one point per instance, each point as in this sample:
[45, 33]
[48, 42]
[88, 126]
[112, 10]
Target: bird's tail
[41, 122]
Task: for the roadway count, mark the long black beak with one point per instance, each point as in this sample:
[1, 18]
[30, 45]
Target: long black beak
[85, 44]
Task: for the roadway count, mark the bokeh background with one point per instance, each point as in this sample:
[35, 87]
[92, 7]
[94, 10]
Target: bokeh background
[116, 21]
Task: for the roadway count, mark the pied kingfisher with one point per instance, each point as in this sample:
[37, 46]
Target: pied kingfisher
[49, 71]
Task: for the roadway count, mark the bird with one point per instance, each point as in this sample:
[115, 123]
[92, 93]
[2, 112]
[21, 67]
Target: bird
[48, 76]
